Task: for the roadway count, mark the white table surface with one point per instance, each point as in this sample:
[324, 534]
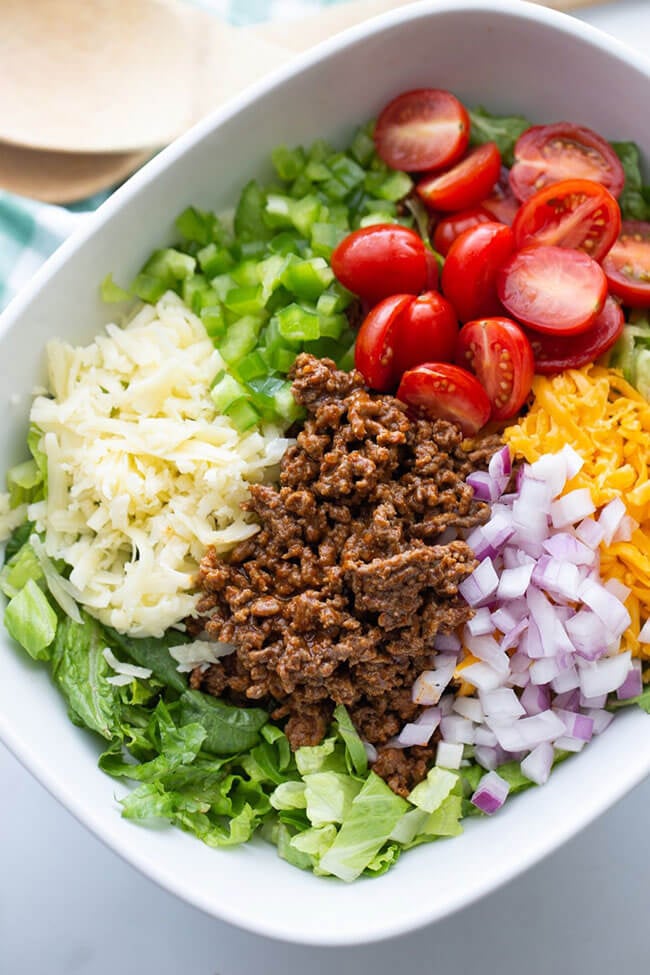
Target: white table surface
[69, 906]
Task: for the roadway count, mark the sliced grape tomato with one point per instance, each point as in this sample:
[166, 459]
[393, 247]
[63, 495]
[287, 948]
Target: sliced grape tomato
[448, 228]
[374, 350]
[546, 154]
[627, 264]
[498, 352]
[465, 183]
[552, 289]
[577, 213]
[470, 271]
[439, 390]
[426, 128]
[381, 260]
[426, 331]
[554, 353]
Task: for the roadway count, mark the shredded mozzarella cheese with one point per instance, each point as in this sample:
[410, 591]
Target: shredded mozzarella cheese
[143, 474]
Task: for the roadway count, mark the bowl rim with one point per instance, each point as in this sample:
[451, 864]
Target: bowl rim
[522, 10]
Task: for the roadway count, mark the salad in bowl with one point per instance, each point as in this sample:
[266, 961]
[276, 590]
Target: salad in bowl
[274, 567]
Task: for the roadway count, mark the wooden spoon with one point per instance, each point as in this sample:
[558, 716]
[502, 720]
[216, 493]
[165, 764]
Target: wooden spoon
[117, 75]
[63, 177]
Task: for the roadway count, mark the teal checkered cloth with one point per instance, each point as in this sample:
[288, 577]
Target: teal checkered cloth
[31, 231]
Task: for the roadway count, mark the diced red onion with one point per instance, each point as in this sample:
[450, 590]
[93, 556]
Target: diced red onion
[625, 530]
[525, 733]
[577, 725]
[481, 585]
[535, 698]
[470, 708]
[567, 548]
[449, 755]
[551, 468]
[487, 649]
[590, 532]
[371, 751]
[531, 641]
[610, 519]
[485, 736]
[417, 733]
[500, 466]
[558, 578]
[487, 758]
[593, 702]
[574, 462]
[617, 589]
[644, 633]
[587, 634]
[567, 700]
[604, 675]
[514, 582]
[607, 607]
[446, 642]
[566, 681]
[481, 623]
[491, 793]
[457, 730]
[632, 686]
[572, 507]
[485, 487]
[538, 764]
[543, 671]
[482, 676]
[429, 685]
[566, 743]
[511, 638]
[601, 719]
[501, 703]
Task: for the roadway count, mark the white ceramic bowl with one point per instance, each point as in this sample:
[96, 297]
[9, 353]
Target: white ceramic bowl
[511, 57]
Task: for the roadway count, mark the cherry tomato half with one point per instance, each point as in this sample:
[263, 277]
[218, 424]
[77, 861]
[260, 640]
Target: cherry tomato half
[451, 227]
[380, 260]
[576, 213]
[470, 271]
[553, 289]
[627, 265]
[502, 202]
[499, 354]
[426, 331]
[554, 353]
[546, 154]
[374, 350]
[466, 183]
[440, 391]
[426, 128]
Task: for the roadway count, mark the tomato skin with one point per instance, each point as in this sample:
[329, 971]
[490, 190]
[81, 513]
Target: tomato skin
[578, 213]
[426, 128]
[374, 353]
[546, 154]
[465, 183]
[380, 260]
[426, 331]
[498, 352]
[470, 272]
[552, 289]
[502, 202]
[442, 391]
[627, 265]
[555, 353]
[451, 227]
[433, 271]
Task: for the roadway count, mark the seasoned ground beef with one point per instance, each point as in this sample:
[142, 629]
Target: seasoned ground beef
[354, 571]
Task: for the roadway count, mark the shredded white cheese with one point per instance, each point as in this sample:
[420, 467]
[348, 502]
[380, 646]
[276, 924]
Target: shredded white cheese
[143, 474]
[124, 673]
[199, 653]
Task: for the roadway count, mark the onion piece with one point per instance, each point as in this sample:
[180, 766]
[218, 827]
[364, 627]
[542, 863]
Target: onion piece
[481, 585]
[610, 519]
[568, 548]
[457, 730]
[572, 507]
[535, 698]
[538, 764]
[487, 757]
[429, 685]
[590, 532]
[449, 755]
[501, 703]
[632, 686]
[601, 719]
[607, 607]
[491, 793]
[470, 708]
[485, 487]
[604, 675]
[447, 642]
[481, 623]
[568, 744]
[514, 582]
[644, 633]
[482, 676]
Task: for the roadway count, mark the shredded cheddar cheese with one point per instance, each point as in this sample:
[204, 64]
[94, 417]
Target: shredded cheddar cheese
[608, 423]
